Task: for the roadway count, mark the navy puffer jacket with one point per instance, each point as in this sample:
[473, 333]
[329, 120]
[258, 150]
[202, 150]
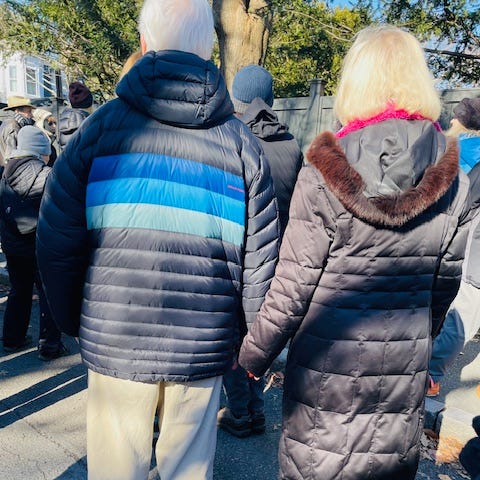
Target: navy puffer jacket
[158, 229]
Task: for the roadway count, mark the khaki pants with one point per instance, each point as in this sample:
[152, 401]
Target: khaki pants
[120, 416]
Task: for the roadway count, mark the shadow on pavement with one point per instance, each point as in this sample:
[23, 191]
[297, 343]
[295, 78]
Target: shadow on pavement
[42, 394]
[77, 471]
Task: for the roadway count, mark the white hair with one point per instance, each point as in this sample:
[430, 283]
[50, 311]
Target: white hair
[185, 25]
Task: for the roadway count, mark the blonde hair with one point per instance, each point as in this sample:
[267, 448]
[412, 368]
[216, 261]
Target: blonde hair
[129, 63]
[384, 66]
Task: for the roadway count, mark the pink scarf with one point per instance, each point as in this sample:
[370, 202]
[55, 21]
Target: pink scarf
[389, 113]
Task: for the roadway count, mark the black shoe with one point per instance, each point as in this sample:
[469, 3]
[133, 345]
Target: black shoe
[237, 426]
[46, 354]
[26, 343]
[257, 423]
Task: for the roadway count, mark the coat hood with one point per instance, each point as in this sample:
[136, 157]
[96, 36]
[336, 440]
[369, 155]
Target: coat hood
[263, 121]
[387, 182]
[177, 88]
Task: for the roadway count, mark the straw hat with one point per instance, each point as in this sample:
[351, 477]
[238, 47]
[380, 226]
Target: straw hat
[16, 101]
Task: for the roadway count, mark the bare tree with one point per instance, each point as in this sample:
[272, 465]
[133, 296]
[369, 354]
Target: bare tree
[243, 29]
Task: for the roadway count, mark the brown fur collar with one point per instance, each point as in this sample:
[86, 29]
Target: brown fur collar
[393, 211]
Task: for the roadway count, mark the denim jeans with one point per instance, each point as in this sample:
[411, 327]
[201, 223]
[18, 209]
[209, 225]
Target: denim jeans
[23, 274]
[461, 324]
[244, 395]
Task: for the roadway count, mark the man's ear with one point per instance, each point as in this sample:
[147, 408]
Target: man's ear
[143, 45]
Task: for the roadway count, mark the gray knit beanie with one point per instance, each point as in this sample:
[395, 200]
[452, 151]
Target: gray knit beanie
[32, 140]
[249, 83]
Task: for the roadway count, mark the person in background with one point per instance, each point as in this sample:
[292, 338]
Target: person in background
[463, 318]
[22, 109]
[21, 190]
[252, 96]
[81, 106]
[158, 237]
[369, 263]
[129, 63]
[46, 122]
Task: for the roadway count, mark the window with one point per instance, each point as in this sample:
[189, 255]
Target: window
[12, 76]
[48, 81]
[31, 79]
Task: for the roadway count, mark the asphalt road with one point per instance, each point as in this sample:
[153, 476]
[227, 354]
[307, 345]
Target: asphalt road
[42, 425]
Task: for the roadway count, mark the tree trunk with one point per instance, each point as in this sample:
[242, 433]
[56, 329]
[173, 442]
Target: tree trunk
[243, 28]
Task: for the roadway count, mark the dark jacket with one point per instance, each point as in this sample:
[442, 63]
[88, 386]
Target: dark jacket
[374, 244]
[8, 138]
[281, 149]
[158, 228]
[68, 123]
[21, 190]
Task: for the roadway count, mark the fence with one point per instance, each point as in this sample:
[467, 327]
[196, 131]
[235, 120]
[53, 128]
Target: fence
[307, 116]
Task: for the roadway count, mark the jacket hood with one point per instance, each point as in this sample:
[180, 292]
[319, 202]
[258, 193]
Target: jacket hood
[389, 182]
[263, 121]
[177, 88]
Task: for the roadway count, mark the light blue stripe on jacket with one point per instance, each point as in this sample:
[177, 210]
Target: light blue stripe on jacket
[157, 217]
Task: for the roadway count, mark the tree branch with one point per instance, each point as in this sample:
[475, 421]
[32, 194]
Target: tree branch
[468, 56]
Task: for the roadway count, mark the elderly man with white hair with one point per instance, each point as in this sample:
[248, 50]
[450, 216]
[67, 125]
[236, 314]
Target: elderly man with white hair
[157, 239]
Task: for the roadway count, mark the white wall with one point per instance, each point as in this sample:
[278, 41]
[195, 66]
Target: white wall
[34, 77]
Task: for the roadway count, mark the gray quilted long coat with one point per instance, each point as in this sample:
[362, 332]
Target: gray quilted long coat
[370, 260]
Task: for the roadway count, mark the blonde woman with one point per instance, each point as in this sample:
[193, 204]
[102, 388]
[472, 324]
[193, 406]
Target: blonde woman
[370, 261]
[129, 63]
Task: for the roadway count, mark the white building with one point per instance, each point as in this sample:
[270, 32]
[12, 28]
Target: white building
[27, 76]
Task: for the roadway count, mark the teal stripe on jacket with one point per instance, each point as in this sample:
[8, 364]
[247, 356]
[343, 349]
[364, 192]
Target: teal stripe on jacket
[170, 219]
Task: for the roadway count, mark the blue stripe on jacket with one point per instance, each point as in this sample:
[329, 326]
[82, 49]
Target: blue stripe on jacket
[144, 190]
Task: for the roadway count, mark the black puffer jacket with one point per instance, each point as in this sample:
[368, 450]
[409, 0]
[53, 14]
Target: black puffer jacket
[68, 123]
[158, 222]
[371, 255]
[281, 149]
[21, 191]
